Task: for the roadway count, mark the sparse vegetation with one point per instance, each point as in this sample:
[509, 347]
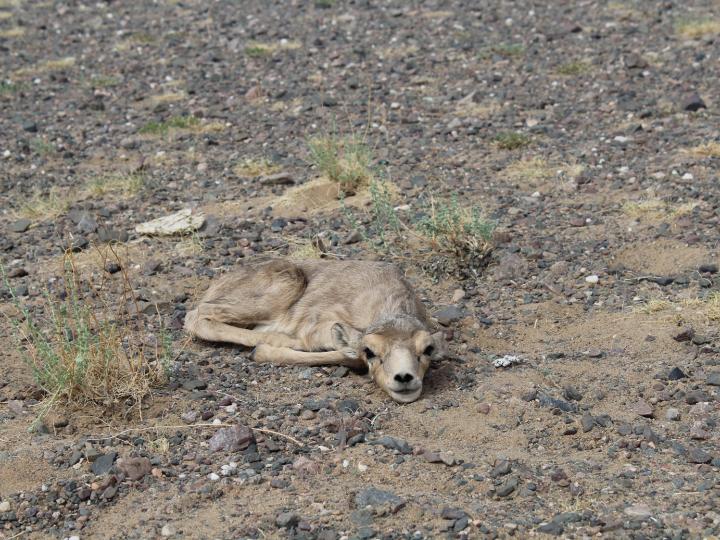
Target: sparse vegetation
[255, 49]
[49, 65]
[345, 160]
[657, 208]
[102, 81]
[461, 231]
[252, 167]
[506, 50]
[15, 32]
[47, 206]
[122, 184]
[709, 149]
[82, 350]
[511, 140]
[324, 4]
[174, 122]
[573, 68]
[7, 87]
[698, 28]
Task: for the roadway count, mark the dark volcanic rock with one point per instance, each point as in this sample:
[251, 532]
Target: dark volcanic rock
[377, 498]
[103, 463]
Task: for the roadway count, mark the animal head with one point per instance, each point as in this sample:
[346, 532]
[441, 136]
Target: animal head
[397, 351]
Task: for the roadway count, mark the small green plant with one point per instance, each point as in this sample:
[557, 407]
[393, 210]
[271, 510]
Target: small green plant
[345, 160]
[81, 352]
[174, 122]
[122, 184]
[573, 68]
[258, 50]
[698, 28]
[102, 81]
[252, 167]
[8, 87]
[506, 50]
[511, 140]
[41, 147]
[324, 4]
[48, 206]
[448, 225]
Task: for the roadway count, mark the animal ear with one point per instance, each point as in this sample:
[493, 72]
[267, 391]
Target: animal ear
[345, 337]
[441, 349]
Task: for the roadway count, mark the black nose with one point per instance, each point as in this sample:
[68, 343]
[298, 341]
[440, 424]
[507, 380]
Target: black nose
[404, 377]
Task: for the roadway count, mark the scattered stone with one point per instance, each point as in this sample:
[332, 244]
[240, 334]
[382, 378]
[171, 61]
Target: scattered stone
[571, 393]
[592, 279]
[587, 422]
[686, 334]
[287, 520]
[4, 507]
[676, 374]
[20, 226]
[232, 439]
[167, 530]
[449, 315]
[103, 463]
[277, 179]
[17, 273]
[641, 511]
[696, 396]
[713, 379]
[692, 102]
[507, 487]
[553, 403]
[194, 384]
[393, 443]
[135, 468]
[502, 468]
[458, 294]
[377, 498]
[698, 455]
[484, 408]
[183, 221]
[698, 432]
[643, 408]
[507, 361]
[672, 414]
[710, 268]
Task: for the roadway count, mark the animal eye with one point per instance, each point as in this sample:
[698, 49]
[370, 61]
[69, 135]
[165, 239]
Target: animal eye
[368, 353]
[429, 350]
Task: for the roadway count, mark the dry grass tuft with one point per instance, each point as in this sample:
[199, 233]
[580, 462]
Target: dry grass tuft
[344, 160]
[654, 305]
[47, 66]
[305, 250]
[14, 32]
[657, 208]
[86, 349]
[709, 149]
[575, 68]
[252, 167]
[122, 184]
[698, 28]
[256, 49]
[45, 207]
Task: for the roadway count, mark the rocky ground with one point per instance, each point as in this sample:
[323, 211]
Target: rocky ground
[587, 131]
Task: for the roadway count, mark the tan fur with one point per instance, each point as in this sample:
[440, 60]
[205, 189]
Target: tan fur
[352, 313]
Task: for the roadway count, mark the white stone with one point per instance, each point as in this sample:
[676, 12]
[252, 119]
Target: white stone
[687, 176]
[592, 279]
[4, 506]
[214, 477]
[183, 221]
[507, 361]
[167, 530]
[639, 510]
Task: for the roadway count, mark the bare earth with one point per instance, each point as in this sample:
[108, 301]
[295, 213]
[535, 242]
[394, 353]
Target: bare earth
[603, 280]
